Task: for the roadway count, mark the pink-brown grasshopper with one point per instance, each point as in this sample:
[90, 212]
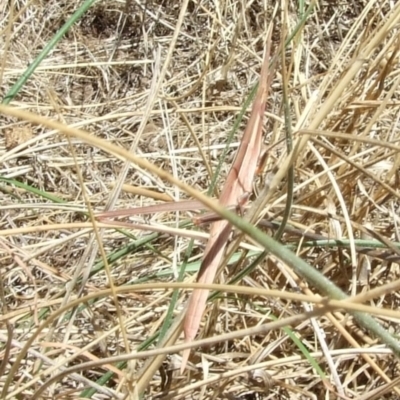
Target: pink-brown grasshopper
[235, 193]
[238, 186]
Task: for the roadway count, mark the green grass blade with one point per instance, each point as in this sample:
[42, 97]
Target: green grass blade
[43, 54]
[312, 276]
[28, 188]
[313, 362]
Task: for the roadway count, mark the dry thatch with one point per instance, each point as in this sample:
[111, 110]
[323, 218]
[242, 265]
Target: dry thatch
[113, 75]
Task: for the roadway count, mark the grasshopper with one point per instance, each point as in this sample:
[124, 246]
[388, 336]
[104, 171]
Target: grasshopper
[235, 194]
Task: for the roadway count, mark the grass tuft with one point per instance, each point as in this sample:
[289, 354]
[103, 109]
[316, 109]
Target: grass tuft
[171, 82]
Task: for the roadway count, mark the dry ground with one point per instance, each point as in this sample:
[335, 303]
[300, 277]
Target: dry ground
[341, 74]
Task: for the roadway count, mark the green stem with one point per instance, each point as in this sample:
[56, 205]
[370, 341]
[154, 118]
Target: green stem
[312, 276]
[49, 47]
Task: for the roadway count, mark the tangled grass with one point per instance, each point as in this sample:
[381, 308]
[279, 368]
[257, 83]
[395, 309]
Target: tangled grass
[90, 310]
